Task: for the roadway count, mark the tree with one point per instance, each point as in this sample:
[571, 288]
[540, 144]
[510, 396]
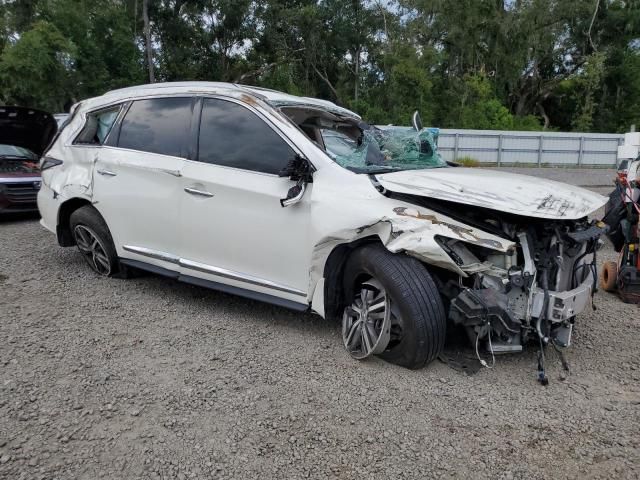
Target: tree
[562, 64]
[39, 69]
[148, 42]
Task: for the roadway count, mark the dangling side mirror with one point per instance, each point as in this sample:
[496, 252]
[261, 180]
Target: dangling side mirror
[300, 171]
[294, 195]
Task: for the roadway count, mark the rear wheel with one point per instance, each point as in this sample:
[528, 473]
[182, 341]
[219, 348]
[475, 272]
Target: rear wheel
[94, 241]
[394, 308]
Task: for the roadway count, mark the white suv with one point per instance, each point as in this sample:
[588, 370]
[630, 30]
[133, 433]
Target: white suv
[234, 188]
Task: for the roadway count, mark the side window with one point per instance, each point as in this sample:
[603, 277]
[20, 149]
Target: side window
[158, 125]
[97, 127]
[233, 136]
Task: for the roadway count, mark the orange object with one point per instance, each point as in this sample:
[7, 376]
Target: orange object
[609, 276]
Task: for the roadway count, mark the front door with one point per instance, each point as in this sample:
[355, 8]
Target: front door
[234, 230]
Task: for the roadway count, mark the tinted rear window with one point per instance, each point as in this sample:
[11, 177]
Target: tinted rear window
[157, 125]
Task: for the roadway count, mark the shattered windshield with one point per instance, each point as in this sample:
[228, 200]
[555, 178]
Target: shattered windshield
[383, 150]
[17, 160]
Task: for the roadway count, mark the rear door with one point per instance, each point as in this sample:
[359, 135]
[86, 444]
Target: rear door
[137, 183]
[233, 228]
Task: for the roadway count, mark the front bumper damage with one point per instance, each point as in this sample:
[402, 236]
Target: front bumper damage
[505, 279]
[531, 294]
[483, 308]
[562, 306]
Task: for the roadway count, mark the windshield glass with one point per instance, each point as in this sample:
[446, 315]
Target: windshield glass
[17, 160]
[381, 150]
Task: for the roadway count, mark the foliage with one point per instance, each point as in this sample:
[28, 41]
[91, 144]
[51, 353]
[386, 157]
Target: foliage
[480, 108]
[485, 64]
[587, 85]
[39, 69]
[468, 161]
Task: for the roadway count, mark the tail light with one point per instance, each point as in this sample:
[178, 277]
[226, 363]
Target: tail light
[49, 162]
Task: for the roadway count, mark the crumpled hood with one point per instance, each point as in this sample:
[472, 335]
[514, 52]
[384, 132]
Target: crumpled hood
[27, 128]
[496, 190]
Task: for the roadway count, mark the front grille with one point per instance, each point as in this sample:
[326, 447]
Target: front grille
[23, 193]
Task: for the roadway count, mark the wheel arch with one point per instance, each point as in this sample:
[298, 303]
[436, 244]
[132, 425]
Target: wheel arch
[333, 272]
[334, 295]
[63, 227]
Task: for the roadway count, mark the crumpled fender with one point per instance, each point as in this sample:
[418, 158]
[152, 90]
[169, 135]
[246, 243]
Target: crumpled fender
[414, 232]
[74, 178]
[405, 228]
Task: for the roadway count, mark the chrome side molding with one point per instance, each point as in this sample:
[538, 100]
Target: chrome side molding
[217, 271]
[241, 277]
[147, 252]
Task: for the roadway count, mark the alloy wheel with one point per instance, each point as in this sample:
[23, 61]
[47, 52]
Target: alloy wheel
[92, 249]
[366, 323]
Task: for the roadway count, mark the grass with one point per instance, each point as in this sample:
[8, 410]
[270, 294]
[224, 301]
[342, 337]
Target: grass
[468, 162]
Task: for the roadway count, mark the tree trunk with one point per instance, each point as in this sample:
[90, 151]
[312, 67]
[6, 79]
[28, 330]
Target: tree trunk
[521, 104]
[147, 40]
[357, 83]
[325, 79]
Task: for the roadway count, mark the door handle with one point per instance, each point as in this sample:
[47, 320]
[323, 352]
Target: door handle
[195, 191]
[107, 173]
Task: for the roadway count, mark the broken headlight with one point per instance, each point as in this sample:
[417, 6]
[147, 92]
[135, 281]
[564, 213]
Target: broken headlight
[474, 258]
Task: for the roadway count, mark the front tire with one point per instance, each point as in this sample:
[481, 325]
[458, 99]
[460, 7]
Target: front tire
[383, 290]
[94, 241]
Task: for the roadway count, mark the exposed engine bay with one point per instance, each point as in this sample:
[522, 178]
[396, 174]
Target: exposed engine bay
[530, 294]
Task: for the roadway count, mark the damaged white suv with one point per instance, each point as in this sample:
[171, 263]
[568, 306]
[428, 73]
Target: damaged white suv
[297, 202]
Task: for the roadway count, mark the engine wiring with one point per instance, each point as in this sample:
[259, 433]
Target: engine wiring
[482, 361]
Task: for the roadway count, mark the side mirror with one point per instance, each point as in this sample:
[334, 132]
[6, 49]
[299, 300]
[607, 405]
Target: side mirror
[300, 171]
[416, 121]
[294, 195]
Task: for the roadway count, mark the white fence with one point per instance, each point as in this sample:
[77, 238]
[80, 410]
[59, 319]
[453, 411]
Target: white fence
[531, 148]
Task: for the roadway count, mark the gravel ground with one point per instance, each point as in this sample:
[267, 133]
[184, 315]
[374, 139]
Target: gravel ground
[149, 378]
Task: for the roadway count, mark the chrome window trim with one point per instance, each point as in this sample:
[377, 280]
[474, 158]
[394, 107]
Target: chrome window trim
[126, 102]
[217, 271]
[264, 174]
[130, 150]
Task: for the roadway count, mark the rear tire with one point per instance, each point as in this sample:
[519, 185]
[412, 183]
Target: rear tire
[94, 241]
[418, 320]
[609, 276]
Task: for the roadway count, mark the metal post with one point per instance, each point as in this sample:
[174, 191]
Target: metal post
[499, 149]
[455, 147]
[620, 143]
[581, 152]
[540, 151]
